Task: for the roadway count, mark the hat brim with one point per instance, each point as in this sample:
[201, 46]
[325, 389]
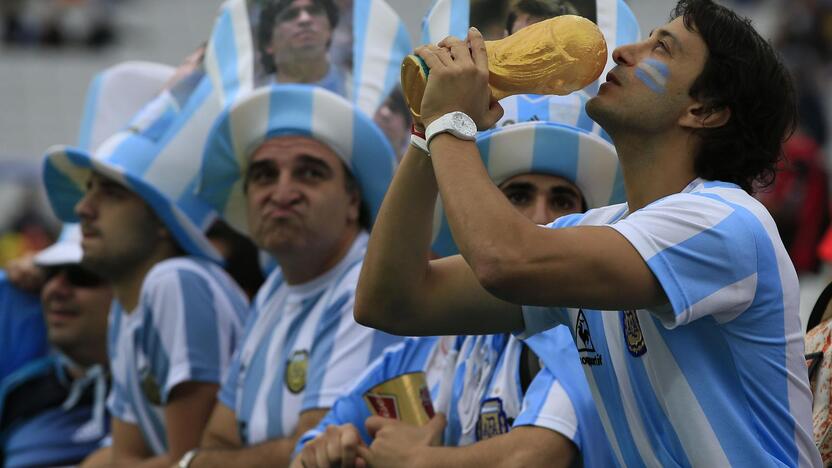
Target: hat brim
[66, 171]
[583, 158]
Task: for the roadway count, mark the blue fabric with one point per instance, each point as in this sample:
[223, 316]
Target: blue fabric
[22, 330]
[54, 436]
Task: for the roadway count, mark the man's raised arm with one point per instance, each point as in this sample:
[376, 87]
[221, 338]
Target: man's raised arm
[400, 290]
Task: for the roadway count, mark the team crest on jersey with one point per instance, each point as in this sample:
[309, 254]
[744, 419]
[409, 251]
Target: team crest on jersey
[632, 333]
[493, 420]
[296, 367]
[583, 339]
[150, 388]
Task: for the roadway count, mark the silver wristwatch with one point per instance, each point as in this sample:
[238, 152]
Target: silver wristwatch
[457, 124]
[186, 459]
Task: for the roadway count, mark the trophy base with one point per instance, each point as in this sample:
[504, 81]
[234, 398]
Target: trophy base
[414, 78]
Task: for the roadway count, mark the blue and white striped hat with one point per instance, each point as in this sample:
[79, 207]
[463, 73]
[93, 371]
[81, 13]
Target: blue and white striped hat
[136, 158]
[115, 95]
[295, 109]
[568, 110]
[581, 157]
[131, 160]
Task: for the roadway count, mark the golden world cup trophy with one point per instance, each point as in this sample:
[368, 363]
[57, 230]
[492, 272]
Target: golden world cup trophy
[556, 56]
[405, 397]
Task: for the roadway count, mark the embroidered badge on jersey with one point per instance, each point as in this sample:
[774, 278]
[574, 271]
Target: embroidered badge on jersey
[150, 388]
[493, 420]
[296, 371]
[632, 333]
[584, 341]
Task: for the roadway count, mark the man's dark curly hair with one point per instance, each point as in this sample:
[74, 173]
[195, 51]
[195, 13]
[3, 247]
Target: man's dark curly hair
[268, 18]
[743, 73]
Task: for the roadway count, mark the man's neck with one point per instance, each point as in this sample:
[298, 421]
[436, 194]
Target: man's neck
[127, 287]
[84, 359]
[302, 267]
[303, 71]
[654, 166]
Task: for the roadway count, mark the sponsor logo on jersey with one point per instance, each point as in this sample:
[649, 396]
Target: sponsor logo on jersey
[296, 367]
[586, 348]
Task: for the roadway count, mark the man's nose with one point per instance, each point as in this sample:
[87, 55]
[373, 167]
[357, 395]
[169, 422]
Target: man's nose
[304, 16]
[57, 286]
[84, 209]
[626, 55]
[541, 212]
[285, 190]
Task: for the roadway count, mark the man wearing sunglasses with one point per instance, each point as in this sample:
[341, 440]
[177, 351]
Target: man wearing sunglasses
[294, 38]
[53, 411]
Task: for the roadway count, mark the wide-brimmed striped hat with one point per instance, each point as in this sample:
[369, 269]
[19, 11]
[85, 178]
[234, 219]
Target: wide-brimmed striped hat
[585, 159]
[282, 110]
[136, 157]
[131, 160]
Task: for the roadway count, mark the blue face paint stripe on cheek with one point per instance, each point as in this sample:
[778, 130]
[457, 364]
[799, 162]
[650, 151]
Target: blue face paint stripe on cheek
[653, 74]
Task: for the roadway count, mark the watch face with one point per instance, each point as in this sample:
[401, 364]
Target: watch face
[464, 124]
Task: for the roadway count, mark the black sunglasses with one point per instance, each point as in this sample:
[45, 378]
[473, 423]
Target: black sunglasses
[76, 275]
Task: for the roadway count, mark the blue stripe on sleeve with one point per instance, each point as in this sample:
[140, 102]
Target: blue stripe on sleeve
[201, 331]
[705, 263]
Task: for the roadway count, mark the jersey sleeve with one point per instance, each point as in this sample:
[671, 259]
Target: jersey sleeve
[183, 342]
[703, 252]
[547, 405]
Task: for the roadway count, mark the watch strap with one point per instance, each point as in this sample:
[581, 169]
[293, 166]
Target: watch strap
[445, 124]
[417, 139]
[186, 459]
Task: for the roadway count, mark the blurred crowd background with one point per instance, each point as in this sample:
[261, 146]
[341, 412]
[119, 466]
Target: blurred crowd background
[51, 48]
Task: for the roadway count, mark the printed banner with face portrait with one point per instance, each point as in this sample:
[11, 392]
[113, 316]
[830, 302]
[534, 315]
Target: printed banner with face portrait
[351, 47]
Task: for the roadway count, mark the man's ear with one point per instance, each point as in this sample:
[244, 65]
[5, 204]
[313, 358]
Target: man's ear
[699, 115]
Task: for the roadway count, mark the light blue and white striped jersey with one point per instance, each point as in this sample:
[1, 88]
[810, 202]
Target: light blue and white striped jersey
[185, 328]
[482, 396]
[717, 377]
[302, 348]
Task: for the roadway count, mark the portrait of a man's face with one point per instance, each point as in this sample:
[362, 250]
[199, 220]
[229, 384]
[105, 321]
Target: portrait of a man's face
[295, 39]
[296, 32]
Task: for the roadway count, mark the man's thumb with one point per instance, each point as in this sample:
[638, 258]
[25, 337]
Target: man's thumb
[436, 425]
